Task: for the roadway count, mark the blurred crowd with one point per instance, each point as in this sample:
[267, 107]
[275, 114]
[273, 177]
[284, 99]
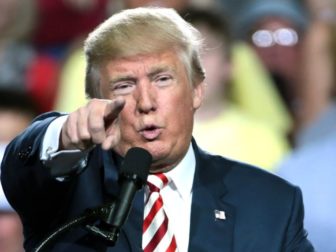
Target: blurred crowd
[270, 97]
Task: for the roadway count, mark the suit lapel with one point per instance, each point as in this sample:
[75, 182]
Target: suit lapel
[212, 219]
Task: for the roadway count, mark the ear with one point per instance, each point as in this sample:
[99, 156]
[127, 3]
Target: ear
[198, 94]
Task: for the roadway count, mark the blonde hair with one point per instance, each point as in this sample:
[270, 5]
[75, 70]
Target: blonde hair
[142, 31]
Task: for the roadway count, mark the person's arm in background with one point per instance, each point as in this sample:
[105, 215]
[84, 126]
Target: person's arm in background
[317, 73]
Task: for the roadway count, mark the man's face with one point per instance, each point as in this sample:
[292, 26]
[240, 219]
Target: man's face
[12, 122]
[11, 238]
[279, 59]
[160, 104]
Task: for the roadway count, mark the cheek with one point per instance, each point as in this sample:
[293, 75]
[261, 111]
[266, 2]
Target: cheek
[126, 117]
[181, 112]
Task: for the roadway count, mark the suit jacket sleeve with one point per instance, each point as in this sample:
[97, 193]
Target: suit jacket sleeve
[27, 183]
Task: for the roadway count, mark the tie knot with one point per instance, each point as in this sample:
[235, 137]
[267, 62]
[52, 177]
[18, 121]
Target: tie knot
[157, 181]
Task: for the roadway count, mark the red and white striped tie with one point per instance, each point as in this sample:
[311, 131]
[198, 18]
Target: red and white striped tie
[156, 235]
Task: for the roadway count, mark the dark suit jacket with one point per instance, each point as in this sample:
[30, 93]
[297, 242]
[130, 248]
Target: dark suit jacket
[263, 212]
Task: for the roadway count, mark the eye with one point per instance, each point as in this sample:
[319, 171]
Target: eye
[163, 80]
[123, 88]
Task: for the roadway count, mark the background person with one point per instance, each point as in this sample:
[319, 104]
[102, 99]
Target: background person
[276, 31]
[221, 126]
[16, 112]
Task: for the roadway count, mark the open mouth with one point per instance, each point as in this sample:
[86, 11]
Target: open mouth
[151, 132]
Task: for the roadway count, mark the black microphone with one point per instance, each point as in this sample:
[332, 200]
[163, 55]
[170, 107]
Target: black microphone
[133, 176]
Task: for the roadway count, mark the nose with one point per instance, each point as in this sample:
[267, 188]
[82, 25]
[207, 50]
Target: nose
[146, 97]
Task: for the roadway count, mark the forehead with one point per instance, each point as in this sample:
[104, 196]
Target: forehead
[274, 23]
[167, 60]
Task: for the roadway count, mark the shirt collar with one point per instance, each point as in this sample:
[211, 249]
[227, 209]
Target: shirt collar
[182, 175]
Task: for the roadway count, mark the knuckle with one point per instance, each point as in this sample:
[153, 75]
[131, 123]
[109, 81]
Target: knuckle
[96, 128]
[84, 136]
[73, 139]
[82, 111]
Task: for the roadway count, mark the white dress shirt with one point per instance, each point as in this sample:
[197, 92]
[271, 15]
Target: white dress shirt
[176, 196]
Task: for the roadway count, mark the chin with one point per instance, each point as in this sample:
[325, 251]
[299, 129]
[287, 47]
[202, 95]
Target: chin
[157, 150]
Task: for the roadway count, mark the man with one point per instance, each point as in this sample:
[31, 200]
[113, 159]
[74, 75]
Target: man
[17, 110]
[146, 81]
[276, 31]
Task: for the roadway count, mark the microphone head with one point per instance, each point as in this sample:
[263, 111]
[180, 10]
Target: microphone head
[137, 162]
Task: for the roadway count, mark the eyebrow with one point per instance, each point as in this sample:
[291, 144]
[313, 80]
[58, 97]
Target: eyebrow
[159, 69]
[154, 71]
[119, 78]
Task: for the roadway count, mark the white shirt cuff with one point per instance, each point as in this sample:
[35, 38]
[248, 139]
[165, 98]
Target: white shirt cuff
[51, 138]
[65, 162]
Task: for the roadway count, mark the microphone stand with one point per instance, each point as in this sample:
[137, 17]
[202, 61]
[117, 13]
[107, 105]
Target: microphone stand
[103, 230]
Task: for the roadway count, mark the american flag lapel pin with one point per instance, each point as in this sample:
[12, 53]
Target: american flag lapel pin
[220, 215]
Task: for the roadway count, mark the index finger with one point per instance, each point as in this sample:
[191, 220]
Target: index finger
[102, 114]
[113, 109]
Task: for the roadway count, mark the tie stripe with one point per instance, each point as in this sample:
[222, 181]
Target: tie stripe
[150, 216]
[172, 246]
[156, 236]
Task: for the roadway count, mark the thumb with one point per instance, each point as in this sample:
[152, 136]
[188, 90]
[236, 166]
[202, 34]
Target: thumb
[111, 140]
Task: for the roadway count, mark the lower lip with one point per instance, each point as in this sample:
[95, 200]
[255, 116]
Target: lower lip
[151, 134]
